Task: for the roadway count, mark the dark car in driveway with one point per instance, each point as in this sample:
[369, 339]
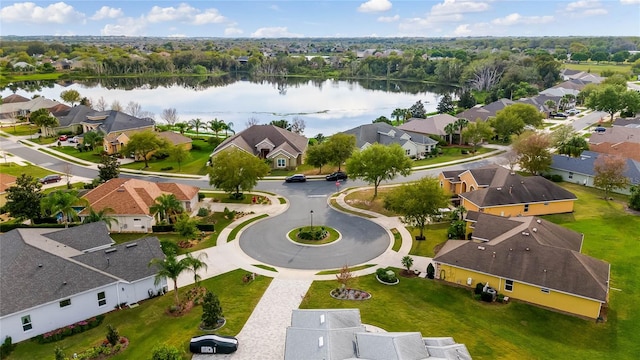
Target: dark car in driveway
[213, 344]
[338, 175]
[50, 179]
[295, 178]
[558, 115]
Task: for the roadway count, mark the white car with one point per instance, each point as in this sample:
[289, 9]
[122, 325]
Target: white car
[573, 111]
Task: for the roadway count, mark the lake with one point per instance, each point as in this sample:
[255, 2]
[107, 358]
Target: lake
[327, 106]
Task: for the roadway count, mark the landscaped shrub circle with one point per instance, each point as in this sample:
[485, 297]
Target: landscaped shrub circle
[320, 235]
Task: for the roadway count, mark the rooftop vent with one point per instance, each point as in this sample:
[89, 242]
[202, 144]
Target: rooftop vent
[525, 233]
[534, 229]
[109, 251]
[131, 245]
[481, 247]
[539, 221]
[527, 249]
[499, 188]
[39, 265]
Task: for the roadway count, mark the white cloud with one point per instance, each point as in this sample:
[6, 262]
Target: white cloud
[515, 19]
[449, 7]
[582, 4]
[210, 16]
[107, 12]
[273, 32]
[177, 36]
[629, 2]
[592, 12]
[415, 26]
[28, 12]
[388, 19]
[375, 6]
[124, 27]
[232, 31]
[183, 12]
[462, 30]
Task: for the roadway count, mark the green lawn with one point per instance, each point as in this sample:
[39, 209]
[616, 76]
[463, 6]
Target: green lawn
[32, 170]
[197, 164]
[21, 130]
[435, 234]
[450, 154]
[598, 68]
[148, 325]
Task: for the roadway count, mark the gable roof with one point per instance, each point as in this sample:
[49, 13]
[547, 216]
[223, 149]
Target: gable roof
[489, 175]
[133, 196]
[14, 98]
[384, 134]
[432, 125]
[584, 164]
[174, 137]
[517, 189]
[75, 237]
[484, 112]
[32, 105]
[615, 135]
[247, 140]
[37, 269]
[628, 122]
[533, 251]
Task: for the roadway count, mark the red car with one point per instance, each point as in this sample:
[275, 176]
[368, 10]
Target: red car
[63, 138]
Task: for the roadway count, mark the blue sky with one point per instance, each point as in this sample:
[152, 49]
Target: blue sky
[318, 18]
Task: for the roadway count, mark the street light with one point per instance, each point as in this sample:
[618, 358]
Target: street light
[311, 212]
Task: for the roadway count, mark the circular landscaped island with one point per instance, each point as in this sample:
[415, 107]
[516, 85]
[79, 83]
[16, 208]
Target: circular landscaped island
[314, 236]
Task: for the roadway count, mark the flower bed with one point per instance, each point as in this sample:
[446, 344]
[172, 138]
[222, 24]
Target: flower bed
[350, 294]
[103, 351]
[63, 332]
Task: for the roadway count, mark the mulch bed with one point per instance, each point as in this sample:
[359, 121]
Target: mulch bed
[408, 274]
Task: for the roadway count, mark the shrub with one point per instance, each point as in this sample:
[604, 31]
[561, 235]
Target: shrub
[59, 354]
[386, 275]
[634, 199]
[112, 335]
[201, 196]
[202, 212]
[479, 288]
[431, 271]
[166, 352]
[63, 332]
[211, 310]
[556, 178]
[167, 168]
[7, 347]
[168, 247]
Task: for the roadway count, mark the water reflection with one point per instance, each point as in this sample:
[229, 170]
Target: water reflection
[327, 106]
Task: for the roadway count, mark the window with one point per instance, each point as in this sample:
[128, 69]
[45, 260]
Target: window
[441, 184]
[281, 163]
[508, 285]
[102, 299]
[26, 323]
[65, 303]
[407, 152]
[526, 207]
[570, 175]
[545, 290]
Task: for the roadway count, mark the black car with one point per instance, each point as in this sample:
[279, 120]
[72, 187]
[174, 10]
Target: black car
[338, 175]
[600, 129]
[558, 115]
[296, 178]
[50, 179]
[213, 344]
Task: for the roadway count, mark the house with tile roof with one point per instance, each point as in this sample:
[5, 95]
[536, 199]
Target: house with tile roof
[580, 170]
[495, 190]
[338, 334]
[52, 278]
[528, 259]
[283, 148]
[130, 201]
[414, 144]
[617, 140]
[6, 181]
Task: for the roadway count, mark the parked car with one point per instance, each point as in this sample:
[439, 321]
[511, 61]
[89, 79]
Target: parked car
[296, 178]
[600, 129]
[558, 115]
[63, 138]
[50, 179]
[573, 111]
[338, 175]
[213, 344]
[73, 140]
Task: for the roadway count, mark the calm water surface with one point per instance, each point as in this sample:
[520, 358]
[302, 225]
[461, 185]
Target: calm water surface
[327, 106]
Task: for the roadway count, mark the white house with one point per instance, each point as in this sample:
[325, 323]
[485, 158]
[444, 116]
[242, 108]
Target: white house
[52, 278]
[415, 145]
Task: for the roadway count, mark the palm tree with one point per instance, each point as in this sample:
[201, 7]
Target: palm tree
[101, 215]
[196, 123]
[450, 129]
[228, 127]
[407, 262]
[92, 138]
[170, 267]
[397, 113]
[182, 127]
[167, 206]
[216, 126]
[62, 202]
[195, 264]
[551, 105]
[460, 124]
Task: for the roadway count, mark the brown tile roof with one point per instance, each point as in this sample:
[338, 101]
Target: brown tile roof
[532, 251]
[6, 181]
[625, 149]
[14, 98]
[433, 125]
[181, 191]
[517, 189]
[132, 196]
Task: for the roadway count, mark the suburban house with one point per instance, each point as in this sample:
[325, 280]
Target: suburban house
[176, 139]
[6, 181]
[528, 259]
[617, 140]
[569, 74]
[10, 111]
[581, 169]
[283, 148]
[495, 190]
[628, 122]
[415, 145]
[432, 125]
[569, 87]
[115, 126]
[338, 334]
[56, 277]
[130, 200]
[484, 112]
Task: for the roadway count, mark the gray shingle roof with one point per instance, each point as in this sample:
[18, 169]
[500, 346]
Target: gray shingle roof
[585, 165]
[547, 257]
[247, 140]
[391, 346]
[378, 133]
[86, 237]
[128, 261]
